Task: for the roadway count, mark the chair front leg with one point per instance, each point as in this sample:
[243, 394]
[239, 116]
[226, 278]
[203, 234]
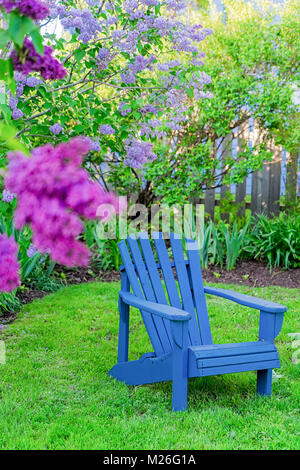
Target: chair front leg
[179, 365]
[269, 327]
[123, 332]
[264, 382]
[124, 321]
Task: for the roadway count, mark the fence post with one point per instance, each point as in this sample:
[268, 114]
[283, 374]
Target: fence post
[291, 179]
[275, 180]
[226, 150]
[271, 183]
[209, 202]
[256, 193]
[259, 179]
[209, 196]
[240, 189]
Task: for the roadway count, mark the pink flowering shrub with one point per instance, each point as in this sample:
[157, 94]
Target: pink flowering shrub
[53, 193]
[9, 266]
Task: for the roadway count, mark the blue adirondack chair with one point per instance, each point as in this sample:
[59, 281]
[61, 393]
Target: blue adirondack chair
[179, 327]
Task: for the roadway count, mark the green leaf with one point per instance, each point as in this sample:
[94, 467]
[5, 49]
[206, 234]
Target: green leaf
[7, 135]
[37, 41]
[7, 74]
[79, 54]
[4, 38]
[6, 70]
[19, 27]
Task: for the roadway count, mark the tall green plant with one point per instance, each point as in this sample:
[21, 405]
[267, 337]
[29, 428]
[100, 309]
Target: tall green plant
[275, 240]
[234, 240]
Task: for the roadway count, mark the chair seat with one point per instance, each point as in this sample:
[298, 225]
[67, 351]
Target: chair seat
[217, 359]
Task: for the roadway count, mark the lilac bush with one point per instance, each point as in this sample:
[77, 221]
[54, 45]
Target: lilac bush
[127, 75]
[9, 266]
[53, 192]
[133, 60]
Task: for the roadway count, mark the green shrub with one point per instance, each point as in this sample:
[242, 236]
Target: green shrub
[9, 302]
[106, 254]
[275, 240]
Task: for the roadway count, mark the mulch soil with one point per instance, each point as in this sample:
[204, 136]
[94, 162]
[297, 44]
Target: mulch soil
[249, 273]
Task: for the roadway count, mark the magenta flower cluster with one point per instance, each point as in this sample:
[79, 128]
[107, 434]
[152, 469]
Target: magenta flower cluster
[34, 9]
[9, 266]
[28, 60]
[53, 192]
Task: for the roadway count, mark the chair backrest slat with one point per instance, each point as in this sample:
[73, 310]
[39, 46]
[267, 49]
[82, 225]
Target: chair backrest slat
[136, 288]
[148, 290]
[198, 291]
[143, 273]
[185, 288]
[155, 278]
[167, 271]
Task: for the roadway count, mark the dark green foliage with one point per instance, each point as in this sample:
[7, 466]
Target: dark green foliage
[106, 254]
[9, 302]
[276, 240]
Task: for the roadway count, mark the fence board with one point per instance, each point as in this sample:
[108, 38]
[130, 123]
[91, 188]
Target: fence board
[209, 203]
[226, 150]
[240, 196]
[241, 188]
[274, 184]
[265, 185]
[256, 192]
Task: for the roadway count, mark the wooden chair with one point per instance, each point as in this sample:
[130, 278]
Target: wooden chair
[179, 327]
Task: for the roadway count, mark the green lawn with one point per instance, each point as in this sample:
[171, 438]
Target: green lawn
[55, 392]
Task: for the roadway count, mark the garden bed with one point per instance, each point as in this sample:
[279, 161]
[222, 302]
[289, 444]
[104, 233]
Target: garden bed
[249, 273]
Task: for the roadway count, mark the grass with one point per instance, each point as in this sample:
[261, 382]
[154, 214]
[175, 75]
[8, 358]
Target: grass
[55, 392]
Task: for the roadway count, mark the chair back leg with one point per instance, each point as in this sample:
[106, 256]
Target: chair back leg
[264, 382]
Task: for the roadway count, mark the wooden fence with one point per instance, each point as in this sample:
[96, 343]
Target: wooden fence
[265, 186]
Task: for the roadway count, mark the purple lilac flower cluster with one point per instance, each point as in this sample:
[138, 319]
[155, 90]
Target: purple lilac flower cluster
[34, 9]
[138, 153]
[31, 251]
[13, 101]
[106, 129]
[7, 196]
[56, 10]
[56, 128]
[103, 58]
[13, 104]
[28, 60]
[9, 266]
[124, 108]
[53, 193]
[84, 21]
[95, 145]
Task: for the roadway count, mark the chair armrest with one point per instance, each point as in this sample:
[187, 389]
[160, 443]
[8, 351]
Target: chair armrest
[247, 300]
[163, 311]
